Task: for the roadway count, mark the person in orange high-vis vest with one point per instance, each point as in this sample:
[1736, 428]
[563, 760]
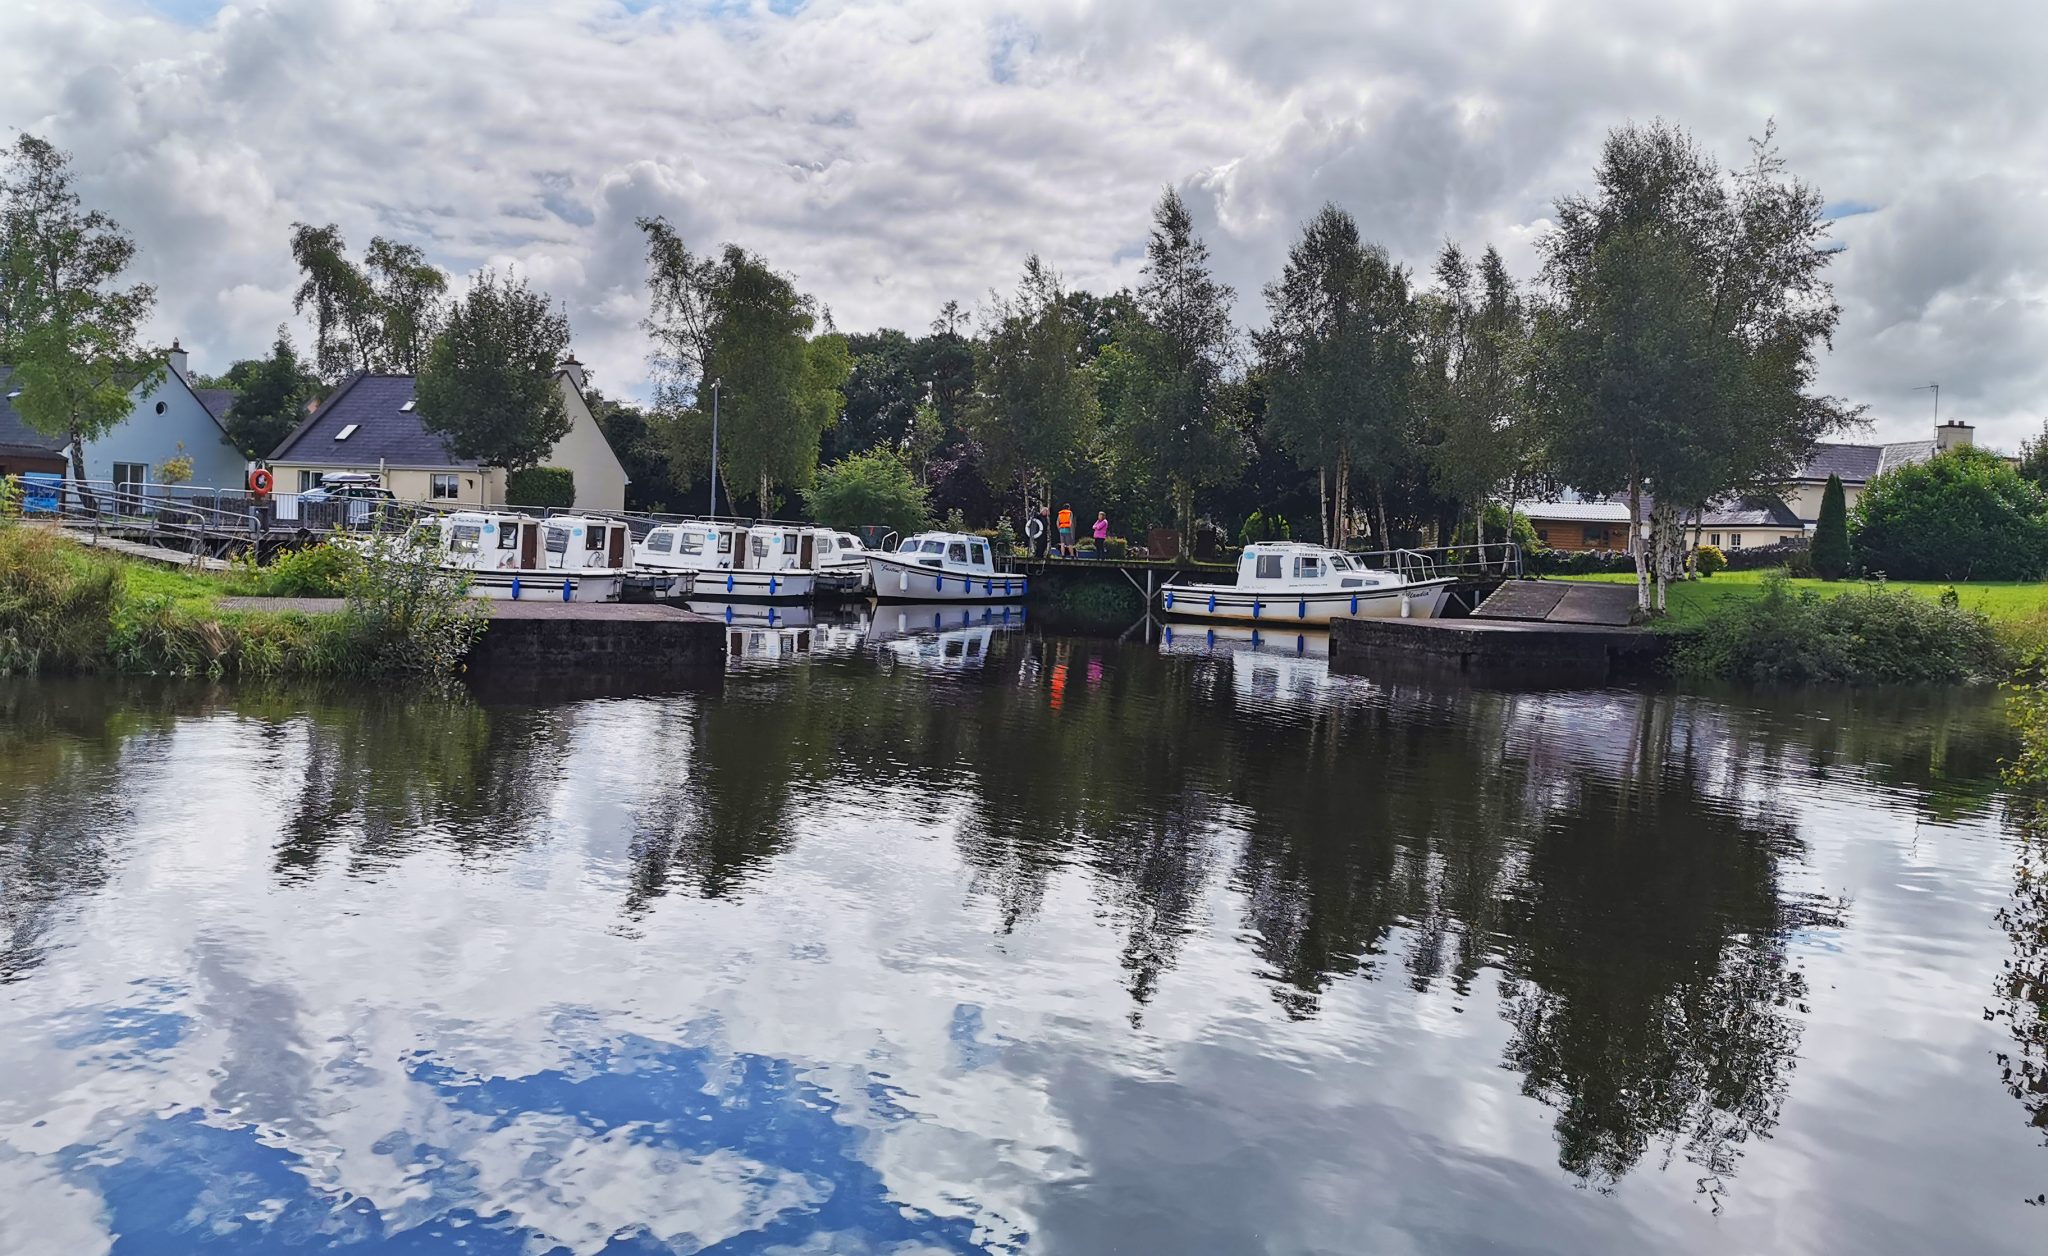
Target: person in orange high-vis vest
[1067, 531]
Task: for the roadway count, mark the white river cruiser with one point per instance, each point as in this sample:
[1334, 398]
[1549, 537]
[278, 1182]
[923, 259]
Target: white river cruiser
[1286, 582]
[942, 567]
[734, 561]
[568, 558]
[842, 562]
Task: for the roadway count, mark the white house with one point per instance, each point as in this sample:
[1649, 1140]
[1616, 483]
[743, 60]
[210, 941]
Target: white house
[171, 420]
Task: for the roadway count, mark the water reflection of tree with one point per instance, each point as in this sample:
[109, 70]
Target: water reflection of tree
[66, 800]
[382, 773]
[2022, 985]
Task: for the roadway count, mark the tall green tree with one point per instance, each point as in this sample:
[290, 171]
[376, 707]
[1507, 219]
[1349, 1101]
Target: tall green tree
[343, 305]
[1339, 357]
[1171, 413]
[410, 298]
[270, 398]
[67, 322]
[378, 316]
[1831, 532]
[488, 387]
[736, 321]
[1035, 412]
[1475, 344]
[2034, 457]
[1677, 353]
[873, 486]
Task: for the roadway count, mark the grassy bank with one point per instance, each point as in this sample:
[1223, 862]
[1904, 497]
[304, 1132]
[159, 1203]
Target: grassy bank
[68, 608]
[1694, 601]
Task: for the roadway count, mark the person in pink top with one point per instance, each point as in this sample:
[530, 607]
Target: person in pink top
[1101, 534]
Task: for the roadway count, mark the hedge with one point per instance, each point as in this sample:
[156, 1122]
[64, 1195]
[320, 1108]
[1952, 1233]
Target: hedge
[541, 486]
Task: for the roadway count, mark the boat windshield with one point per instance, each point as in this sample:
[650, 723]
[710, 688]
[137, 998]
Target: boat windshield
[660, 541]
[462, 538]
[558, 540]
[688, 542]
[934, 547]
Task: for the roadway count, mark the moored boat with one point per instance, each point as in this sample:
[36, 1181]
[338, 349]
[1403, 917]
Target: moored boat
[734, 561]
[1286, 582]
[942, 567]
[508, 555]
[842, 562]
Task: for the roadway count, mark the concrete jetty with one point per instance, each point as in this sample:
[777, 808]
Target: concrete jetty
[641, 639]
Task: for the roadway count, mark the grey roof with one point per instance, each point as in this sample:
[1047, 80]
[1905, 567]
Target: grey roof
[1750, 512]
[16, 436]
[217, 401]
[384, 432]
[1857, 464]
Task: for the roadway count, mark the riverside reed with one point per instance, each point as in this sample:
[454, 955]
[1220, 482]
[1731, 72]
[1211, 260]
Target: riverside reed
[65, 608]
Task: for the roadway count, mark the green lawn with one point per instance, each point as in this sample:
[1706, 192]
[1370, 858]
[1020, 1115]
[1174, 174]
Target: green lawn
[1693, 600]
[189, 588]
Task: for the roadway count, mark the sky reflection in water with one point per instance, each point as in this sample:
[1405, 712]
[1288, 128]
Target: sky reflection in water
[1038, 945]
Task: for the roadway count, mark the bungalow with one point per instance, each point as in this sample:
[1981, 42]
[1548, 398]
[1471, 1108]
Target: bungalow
[171, 420]
[1857, 465]
[1602, 525]
[371, 425]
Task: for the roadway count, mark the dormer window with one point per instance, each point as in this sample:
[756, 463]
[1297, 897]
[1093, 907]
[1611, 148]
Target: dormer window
[406, 408]
[347, 432]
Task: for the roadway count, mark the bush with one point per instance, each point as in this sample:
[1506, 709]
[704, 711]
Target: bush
[1708, 559]
[1263, 527]
[871, 488]
[548, 487]
[321, 570]
[1792, 556]
[1962, 515]
[1831, 554]
[1551, 562]
[57, 603]
[408, 613]
[1883, 636]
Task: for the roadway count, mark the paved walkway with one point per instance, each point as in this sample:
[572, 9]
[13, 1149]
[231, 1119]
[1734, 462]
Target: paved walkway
[610, 612]
[150, 553]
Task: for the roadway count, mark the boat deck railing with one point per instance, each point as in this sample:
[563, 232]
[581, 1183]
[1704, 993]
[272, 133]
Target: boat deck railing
[1497, 560]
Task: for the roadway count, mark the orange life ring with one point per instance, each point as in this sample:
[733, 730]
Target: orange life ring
[259, 482]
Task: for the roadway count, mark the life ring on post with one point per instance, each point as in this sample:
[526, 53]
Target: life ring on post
[260, 482]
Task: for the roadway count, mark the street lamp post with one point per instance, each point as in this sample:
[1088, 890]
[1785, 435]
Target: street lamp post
[714, 448]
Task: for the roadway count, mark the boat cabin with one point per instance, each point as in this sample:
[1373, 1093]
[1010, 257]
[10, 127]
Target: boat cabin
[952, 551]
[579, 542]
[718, 545]
[476, 540]
[1291, 565]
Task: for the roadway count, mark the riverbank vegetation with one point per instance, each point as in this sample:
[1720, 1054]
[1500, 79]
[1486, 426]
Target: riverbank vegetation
[68, 608]
[1870, 635]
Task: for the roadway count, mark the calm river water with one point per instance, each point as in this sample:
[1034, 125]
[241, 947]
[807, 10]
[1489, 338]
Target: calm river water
[1002, 942]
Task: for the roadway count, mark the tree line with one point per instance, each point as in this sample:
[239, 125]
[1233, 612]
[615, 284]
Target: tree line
[1665, 353]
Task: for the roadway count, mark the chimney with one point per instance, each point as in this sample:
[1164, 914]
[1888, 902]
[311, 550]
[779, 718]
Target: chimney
[178, 361]
[574, 370]
[1954, 434]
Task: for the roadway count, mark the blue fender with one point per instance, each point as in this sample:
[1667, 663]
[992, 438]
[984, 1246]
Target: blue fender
[773, 585]
[1256, 605]
[515, 588]
[567, 590]
[1169, 599]
[1301, 609]
[1212, 603]
[728, 582]
[938, 584]
[1354, 603]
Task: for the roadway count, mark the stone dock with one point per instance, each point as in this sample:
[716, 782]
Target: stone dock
[642, 640]
[1528, 632]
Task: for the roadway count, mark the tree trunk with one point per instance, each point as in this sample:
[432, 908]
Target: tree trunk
[1323, 502]
[85, 493]
[1636, 543]
[767, 511]
[1184, 505]
[1339, 516]
[1379, 493]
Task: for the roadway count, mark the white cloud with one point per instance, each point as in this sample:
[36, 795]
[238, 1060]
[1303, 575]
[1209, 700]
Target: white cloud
[896, 155]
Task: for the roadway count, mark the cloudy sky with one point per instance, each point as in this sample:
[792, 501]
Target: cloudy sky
[893, 154]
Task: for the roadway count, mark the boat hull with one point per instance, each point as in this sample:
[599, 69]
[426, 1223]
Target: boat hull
[544, 586]
[843, 581]
[1421, 600]
[745, 586]
[911, 582]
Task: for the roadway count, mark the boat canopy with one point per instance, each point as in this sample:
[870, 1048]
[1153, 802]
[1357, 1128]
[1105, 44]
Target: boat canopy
[954, 549]
[1293, 565]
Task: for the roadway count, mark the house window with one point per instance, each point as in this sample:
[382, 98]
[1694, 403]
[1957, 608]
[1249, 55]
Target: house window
[1735, 540]
[1543, 536]
[443, 486]
[130, 477]
[1596, 536]
[1715, 540]
[310, 480]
